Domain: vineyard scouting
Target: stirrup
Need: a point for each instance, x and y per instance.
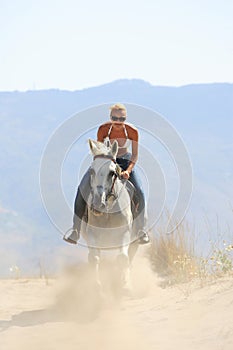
(73, 237)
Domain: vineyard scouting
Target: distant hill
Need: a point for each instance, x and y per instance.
(202, 114)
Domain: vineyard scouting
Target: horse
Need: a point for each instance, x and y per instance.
(109, 216)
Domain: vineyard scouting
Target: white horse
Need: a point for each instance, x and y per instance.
(110, 220)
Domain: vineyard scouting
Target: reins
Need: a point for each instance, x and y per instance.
(111, 193)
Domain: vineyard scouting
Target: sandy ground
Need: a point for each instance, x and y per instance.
(69, 313)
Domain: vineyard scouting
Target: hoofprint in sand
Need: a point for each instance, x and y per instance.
(67, 314)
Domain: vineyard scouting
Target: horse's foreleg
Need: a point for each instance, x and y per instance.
(133, 247)
(124, 268)
(94, 261)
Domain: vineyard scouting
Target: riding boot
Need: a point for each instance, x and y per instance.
(139, 221)
(139, 224)
(73, 237)
(143, 237)
(75, 233)
(141, 234)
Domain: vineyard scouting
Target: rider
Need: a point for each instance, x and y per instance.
(126, 135)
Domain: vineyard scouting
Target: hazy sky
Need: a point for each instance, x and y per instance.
(73, 44)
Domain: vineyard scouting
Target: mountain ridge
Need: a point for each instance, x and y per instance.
(139, 82)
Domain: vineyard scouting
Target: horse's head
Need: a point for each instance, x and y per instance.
(103, 174)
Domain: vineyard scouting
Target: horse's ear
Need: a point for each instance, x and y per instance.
(92, 145)
(114, 148)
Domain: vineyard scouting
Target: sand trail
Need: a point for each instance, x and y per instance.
(69, 314)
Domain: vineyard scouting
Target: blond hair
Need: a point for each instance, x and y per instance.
(117, 106)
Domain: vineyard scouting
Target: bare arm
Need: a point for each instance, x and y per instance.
(134, 157)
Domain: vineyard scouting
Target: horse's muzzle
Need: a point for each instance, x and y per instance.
(96, 212)
(98, 205)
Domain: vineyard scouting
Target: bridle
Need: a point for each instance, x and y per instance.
(107, 156)
(117, 174)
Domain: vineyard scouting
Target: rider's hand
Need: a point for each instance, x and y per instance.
(125, 174)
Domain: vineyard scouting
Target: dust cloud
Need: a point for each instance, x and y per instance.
(73, 312)
(78, 313)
